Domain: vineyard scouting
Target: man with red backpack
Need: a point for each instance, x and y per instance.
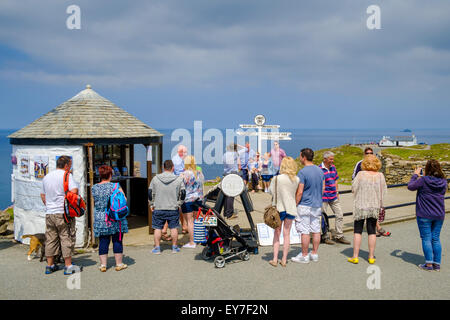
(60, 230)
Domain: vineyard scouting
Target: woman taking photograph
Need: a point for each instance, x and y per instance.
(193, 182)
(283, 188)
(369, 189)
(107, 230)
(430, 211)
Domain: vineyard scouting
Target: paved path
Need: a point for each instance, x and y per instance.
(186, 276)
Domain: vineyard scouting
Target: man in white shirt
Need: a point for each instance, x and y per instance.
(178, 160)
(58, 233)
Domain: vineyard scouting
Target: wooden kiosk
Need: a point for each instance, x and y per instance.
(94, 131)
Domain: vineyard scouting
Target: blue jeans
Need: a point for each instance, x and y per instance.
(430, 231)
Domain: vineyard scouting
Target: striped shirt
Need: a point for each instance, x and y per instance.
(331, 177)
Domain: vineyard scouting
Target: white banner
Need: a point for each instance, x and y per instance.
(265, 235)
(28, 195)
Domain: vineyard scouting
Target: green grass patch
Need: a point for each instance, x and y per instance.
(419, 146)
(211, 183)
(11, 213)
(439, 152)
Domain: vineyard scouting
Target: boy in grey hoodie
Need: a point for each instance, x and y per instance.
(166, 194)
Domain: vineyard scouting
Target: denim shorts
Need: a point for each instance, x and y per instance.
(160, 217)
(266, 177)
(190, 206)
(284, 215)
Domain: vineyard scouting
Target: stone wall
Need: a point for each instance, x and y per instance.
(399, 171)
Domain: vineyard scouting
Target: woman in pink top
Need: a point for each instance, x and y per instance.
(277, 155)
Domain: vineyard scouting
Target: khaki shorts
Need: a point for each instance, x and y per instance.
(59, 233)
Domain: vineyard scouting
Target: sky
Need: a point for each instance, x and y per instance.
(302, 64)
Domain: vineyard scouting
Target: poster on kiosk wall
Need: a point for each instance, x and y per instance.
(24, 166)
(40, 166)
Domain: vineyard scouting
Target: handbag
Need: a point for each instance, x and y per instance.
(271, 214)
(382, 209)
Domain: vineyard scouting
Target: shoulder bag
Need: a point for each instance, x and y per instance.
(271, 214)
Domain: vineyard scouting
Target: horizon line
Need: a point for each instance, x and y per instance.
(284, 128)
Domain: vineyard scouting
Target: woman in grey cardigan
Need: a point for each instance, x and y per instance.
(286, 187)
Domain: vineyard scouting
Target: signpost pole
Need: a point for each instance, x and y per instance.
(259, 139)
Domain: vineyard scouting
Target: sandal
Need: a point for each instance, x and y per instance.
(102, 268)
(273, 263)
(382, 232)
(166, 237)
(121, 267)
(283, 264)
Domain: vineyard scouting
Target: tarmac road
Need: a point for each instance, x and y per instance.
(186, 276)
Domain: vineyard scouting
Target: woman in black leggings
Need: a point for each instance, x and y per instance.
(369, 189)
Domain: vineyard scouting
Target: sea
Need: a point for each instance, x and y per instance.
(315, 139)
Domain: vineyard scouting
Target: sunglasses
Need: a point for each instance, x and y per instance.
(369, 153)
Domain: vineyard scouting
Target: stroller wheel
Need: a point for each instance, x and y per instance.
(206, 254)
(245, 256)
(219, 262)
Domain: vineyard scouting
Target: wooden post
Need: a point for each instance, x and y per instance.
(149, 179)
(91, 184)
(160, 157)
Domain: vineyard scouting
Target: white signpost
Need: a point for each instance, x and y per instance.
(260, 121)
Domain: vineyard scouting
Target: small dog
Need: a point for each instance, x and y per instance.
(38, 241)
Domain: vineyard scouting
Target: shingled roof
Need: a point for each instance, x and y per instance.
(86, 117)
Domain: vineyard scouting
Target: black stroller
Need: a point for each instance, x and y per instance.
(220, 245)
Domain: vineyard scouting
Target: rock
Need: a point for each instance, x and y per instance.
(4, 221)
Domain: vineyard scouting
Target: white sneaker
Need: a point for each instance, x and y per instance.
(314, 257)
(300, 258)
(189, 246)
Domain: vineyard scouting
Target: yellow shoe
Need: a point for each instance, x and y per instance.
(353, 260)
(372, 260)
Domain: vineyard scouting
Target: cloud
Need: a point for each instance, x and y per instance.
(318, 46)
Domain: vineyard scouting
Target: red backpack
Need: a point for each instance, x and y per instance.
(74, 205)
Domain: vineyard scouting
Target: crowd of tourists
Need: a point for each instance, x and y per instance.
(302, 200)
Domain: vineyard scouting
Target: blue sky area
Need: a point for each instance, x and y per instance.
(303, 64)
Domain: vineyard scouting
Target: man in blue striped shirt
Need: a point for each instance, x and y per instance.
(331, 197)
